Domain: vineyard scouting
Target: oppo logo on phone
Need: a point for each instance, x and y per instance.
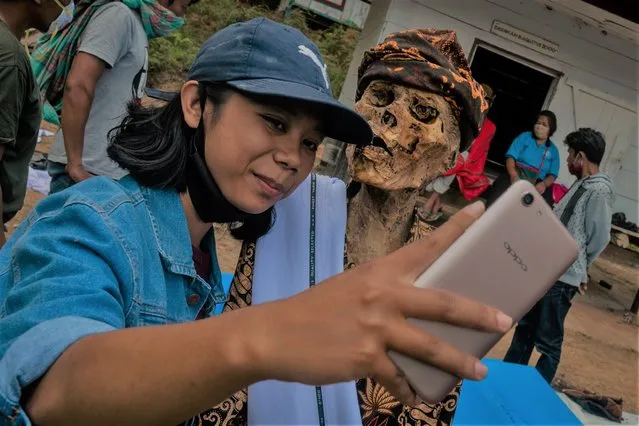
(518, 260)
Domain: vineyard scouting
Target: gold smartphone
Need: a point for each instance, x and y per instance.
(509, 258)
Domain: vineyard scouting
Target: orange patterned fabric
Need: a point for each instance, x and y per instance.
(433, 61)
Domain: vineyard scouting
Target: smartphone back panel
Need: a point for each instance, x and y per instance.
(509, 258)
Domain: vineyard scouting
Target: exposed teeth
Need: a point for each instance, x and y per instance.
(411, 148)
(386, 150)
(380, 143)
(377, 150)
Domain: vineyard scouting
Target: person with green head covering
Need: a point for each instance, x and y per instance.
(89, 70)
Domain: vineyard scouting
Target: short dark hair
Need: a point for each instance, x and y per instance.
(153, 144)
(552, 120)
(589, 141)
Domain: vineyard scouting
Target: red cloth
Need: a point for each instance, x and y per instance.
(202, 261)
(558, 191)
(470, 171)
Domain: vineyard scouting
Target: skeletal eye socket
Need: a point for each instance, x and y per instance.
(382, 96)
(424, 113)
(389, 119)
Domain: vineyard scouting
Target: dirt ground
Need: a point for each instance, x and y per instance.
(599, 353)
(600, 350)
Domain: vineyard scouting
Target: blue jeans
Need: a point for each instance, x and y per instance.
(60, 179)
(543, 328)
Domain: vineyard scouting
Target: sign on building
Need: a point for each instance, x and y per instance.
(524, 38)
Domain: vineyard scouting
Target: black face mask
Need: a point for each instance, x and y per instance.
(207, 198)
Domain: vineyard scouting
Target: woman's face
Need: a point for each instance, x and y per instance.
(542, 127)
(259, 154)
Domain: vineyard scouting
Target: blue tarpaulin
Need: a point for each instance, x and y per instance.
(511, 395)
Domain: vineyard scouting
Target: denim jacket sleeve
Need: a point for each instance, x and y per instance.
(64, 279)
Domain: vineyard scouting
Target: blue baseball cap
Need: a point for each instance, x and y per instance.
(264, 57)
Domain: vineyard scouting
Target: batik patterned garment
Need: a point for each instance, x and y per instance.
(380, 408)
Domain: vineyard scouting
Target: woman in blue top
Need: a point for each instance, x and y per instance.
(98, 286)
(531, 156)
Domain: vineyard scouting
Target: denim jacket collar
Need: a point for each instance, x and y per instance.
(171, 232)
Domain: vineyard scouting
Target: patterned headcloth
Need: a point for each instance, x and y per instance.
(433, 61)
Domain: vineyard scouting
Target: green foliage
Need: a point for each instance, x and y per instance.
(171, 56)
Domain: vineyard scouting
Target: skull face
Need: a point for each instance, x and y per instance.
(416, 137)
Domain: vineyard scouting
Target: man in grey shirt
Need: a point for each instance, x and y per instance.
(586, 210)
(108, 71)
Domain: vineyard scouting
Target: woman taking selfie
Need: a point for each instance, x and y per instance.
(99, 290)
(532, 156)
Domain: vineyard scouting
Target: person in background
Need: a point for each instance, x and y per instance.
(19, 98)
(90, 70)
(531, 156)
(586, 210)
(469, 168)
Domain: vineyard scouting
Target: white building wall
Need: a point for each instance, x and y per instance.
(354, 11)
(373, 32)
(599, 85)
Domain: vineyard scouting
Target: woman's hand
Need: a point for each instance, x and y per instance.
(511, 169)
(343, 328)
(541, 187)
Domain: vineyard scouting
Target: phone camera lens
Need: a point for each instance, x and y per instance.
(527, 199)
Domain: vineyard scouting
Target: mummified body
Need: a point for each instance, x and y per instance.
(421, 135)
(416, 92)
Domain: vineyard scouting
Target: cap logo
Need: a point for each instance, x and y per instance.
(308, 52)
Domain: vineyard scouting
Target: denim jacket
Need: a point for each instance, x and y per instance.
(100, 256)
